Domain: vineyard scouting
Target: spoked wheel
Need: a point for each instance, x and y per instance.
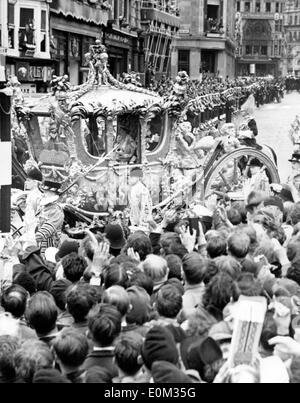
(228, 173)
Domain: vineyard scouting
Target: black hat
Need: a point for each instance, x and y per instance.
(159, 345)
(114, 233)
(255, 162)
(203, 353)
(66, 248)
(165, 372)
(295, 158)
(34, 174)
(286, 195)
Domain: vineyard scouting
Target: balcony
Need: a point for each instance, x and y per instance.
(214, 29)
(161, 11)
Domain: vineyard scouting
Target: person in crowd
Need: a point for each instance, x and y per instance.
(105, 324)
(71, 349)
(59, 292)
(128, 360)
(80, 300)
(157, 269)
(193, 268)
(8, 347)
(73, 266)
(31, 356)
(41, 314)
(139, 310)
(14, 300)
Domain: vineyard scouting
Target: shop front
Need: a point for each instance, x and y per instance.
(34, 75)
(120, 47)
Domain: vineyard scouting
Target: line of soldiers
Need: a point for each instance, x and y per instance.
(292, 84)
(269, 92)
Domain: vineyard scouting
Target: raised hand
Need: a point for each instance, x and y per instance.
(101, 257)
(188, 240)
(286, 344)
(133, 255)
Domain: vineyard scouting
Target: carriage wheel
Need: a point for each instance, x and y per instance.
(240, 160)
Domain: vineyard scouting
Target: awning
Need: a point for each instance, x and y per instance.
(80, 11)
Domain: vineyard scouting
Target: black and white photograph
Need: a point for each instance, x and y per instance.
(150, 194)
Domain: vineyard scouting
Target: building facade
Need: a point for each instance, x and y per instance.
(292, 38)
(261, 46)
(161, 22)
(25, 42)
(75, 25)
(123, 38)
(206, 42)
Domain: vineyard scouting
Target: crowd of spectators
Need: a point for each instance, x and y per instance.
(161, 307)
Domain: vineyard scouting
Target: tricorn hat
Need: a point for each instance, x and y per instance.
(295, 158)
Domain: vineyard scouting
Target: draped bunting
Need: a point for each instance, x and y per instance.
(81, 11)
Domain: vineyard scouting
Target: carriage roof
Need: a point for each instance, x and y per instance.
(106, 99)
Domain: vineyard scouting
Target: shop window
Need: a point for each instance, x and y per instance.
(26, 32)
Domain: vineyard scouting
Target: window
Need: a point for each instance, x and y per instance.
(11, 26)
(26, 32)
(43, 30)
(277, 7)
(268, 7)
(238, 6)
(248, 50)
(264, 50)
(247, 7)
(278, 26)
(257, 7)
(256, 50)
(184, 60)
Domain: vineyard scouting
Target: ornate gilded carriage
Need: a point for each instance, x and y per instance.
(89, 137)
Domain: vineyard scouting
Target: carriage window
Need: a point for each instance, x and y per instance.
(44, 124)
(155, 132)
(93, 131)
(128, 131)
